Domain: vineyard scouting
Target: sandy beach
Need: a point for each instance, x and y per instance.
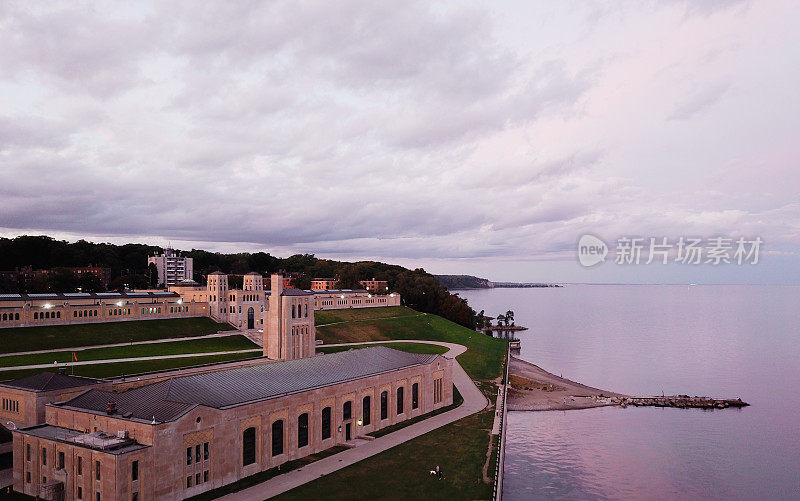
(534, 389)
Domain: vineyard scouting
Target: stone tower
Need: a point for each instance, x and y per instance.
(289, 333)
(218, 296)
(253, 282)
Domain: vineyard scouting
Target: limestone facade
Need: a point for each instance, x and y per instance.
(205, 447)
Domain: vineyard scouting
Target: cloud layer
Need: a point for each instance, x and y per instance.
(431, 133)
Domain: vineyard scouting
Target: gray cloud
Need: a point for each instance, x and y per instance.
(364, 129)
(699, 101)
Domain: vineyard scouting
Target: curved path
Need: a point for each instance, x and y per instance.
(129, 359)
(128, 343)
(474, 401)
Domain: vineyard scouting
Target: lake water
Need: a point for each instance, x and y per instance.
(721, 341)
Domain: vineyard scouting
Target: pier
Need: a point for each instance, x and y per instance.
(680, 402)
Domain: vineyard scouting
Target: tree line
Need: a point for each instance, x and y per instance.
(128, 263)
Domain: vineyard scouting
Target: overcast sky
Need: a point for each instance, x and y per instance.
(480, 138)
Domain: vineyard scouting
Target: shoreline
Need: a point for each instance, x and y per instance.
(532, 388)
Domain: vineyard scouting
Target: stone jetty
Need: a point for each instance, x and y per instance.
(680, 402)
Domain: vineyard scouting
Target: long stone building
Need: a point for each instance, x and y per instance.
(244, 309)
(175, 437)
(185, 435)
(31, 310)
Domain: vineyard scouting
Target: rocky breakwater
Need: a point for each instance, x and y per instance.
(680, 402)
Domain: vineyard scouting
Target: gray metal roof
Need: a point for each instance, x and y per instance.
(170, 399)
(65, 296)
(260, 382)
(143, 403)
(49, 381)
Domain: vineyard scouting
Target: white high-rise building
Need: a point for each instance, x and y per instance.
(172, 269)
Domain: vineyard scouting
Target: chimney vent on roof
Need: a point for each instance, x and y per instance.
(111, 408)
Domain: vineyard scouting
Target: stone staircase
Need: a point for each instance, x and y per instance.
(254, 336)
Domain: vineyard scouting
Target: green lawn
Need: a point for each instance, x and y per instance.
(346, 315)
(409, 347)
(68, 336)
(483, 359)
(117, 369)
(403, 471)
(227, 343)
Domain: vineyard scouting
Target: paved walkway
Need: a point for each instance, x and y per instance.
(129, 359)
(113, 345)
(474, 401)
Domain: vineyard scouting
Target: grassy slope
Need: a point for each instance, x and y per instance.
(409, 347)
(458, 448)
(227, 343)
(113, 370)
(67, 336)
(483, 359)
(322, 317)
(403, 471)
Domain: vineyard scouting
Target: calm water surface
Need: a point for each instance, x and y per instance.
(722, 341)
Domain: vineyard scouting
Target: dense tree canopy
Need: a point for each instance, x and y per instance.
(418, 289)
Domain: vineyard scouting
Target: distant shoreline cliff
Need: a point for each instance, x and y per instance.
(455, 282)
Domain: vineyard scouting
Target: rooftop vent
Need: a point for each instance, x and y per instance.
(111, 408)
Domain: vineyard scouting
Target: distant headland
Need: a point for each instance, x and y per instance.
(454, 282)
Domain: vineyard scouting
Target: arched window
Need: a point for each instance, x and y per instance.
(277, 437)
(58, 314)
(326, 423)
(415, 396)
(74, 313)
(366, 411)
(347, 410)
(5, 317)
(293, 312)
(384, 405)
(35, 316)
(16, 316)
(305, 308)
(400, 400)
(302, 430)
(248, 446)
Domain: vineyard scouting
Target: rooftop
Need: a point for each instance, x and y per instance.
(295, 292)
(97, 441)
(65, 296)
(49, 381)
(168, 400)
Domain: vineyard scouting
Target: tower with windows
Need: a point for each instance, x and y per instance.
(217, 288)
(289, 332)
